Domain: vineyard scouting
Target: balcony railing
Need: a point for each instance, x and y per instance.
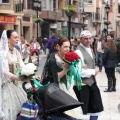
(18, 6)
(53, 15)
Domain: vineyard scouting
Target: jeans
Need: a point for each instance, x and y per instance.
(93, 117)
(99, 60)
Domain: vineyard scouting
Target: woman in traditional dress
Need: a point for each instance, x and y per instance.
(56, 70)
(13, 96)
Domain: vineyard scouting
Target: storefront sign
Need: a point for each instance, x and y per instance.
(7, 19)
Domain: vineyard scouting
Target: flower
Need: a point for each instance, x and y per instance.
(107, 22)
(34, 89)
(73, 60)
(38, 20)
(70, 57)
(69, 8)
(27, 71)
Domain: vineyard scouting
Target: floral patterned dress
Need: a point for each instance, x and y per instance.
(13, 95)
(77, 112)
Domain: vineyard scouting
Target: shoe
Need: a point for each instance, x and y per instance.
(107, 90)
(113, 89)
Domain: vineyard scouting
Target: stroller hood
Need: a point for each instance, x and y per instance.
(56, 99)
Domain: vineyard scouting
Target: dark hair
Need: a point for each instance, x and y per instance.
(1, 29)
(9, 32)
(58, 42)
(111, 35)
(111, 45)
(61, 41)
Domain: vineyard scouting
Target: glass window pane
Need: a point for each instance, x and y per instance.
(5, 1)
(88, 2)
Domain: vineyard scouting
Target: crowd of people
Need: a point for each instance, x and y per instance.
(16, 53)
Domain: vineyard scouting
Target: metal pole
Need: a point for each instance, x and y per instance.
(37, 25)
(69, 27)
(107, 24)
(69, 24)
(83, 17)
(83, 23)
(20, 26)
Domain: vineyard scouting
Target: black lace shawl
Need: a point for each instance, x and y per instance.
(50, 70)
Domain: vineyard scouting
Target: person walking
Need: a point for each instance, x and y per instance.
(35, 45)
(50, 43)
(99, 49)
(90, 93)
(109, 62)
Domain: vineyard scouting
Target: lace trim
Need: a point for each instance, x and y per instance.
(60, 62)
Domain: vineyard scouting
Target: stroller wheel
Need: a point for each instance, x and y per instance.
(119, 107)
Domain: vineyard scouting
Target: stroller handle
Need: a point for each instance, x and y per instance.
(23, 86)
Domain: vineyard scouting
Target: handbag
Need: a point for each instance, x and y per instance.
(29, 111)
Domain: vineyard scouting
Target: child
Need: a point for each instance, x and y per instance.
(25, 53)
(34, 57)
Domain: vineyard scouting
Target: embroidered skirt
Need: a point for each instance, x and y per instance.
(13, 98)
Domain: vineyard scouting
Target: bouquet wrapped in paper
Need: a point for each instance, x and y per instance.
(73, 60)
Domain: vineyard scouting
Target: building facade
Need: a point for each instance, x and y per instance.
(20, 14)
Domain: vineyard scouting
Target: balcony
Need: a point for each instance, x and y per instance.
(15, 8)
(18, 7)
(58, 15)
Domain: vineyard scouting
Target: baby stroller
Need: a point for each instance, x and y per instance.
(35, 57)
(52, 102)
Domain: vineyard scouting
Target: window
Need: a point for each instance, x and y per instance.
(44, 4)
(30, 4)
(88, 2)
(5, 1)
(118, 8)
(54, 5)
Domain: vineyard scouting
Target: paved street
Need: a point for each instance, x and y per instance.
(41, 64)
(110, 100)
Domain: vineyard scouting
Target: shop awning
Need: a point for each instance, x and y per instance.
(7, 19)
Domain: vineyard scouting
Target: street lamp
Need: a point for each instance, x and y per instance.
(37, 7)
(107, 8)
(69, 11)
(83, 16)
(69, 24)
(104, 30)
(95, 25)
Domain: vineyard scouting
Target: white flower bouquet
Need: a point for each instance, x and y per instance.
(27, 71)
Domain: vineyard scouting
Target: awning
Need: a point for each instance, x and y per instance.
(7, 19)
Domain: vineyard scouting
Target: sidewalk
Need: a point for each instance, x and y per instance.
(110, 100)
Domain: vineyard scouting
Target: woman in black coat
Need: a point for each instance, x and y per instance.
(109, 62)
